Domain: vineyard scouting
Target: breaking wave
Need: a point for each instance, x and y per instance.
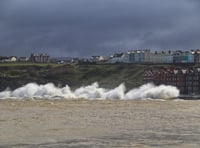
(92, 92)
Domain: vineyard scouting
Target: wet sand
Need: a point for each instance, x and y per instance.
(82, 123)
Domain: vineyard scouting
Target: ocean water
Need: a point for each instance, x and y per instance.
(99, 123)
(90, 116)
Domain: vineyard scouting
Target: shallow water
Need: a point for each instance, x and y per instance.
(84, 123)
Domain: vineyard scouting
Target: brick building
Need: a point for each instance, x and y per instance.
(40, 58)
(186, 80)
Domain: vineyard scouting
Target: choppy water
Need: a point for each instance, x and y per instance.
(106, 123)
(92, 92)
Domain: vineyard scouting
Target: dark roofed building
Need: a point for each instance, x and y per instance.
(40, 58)
(186, 80)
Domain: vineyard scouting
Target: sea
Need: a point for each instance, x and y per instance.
(47, 116)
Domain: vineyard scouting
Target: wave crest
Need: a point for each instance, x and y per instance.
(93, 91)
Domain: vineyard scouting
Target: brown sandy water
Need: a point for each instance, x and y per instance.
(84, 123)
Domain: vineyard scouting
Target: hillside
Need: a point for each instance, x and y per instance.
(109, 76)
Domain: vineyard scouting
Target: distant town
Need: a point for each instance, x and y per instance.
(173, 67)
(131, 56)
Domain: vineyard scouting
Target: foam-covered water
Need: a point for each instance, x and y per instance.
(93, 91)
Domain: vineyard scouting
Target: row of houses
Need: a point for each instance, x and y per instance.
(186, 80)
(40, 58)
(134, 56)
(145, 56)
(157, 57)
(13, 59)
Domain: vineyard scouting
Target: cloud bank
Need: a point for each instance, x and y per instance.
(82, 28)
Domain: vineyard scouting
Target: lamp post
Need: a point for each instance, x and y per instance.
(176, 72)
(198, 70)
(184, 71)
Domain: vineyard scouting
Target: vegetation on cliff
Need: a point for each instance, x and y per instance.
(108, 76)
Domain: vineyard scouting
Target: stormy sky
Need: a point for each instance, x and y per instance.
(91, 27)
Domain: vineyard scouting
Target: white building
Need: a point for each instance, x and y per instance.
(118, 58)
(139, 56)
(161, 57)
(13, 59)
(97, 58)
(9, 59)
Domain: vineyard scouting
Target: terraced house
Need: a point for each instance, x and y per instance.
(40, 58)
(186, 80)
(157, 57)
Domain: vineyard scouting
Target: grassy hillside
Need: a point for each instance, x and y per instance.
(109, 76)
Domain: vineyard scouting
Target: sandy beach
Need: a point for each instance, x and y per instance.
(84, 123)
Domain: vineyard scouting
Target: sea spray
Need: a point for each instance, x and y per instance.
(116, 93)
(5, 94)
(153, 92)
(93, 91)
(90, 92)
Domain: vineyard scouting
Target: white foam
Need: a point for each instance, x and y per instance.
(153, 92)
(93, 91)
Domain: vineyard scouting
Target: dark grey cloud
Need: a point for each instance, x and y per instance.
(88, 27)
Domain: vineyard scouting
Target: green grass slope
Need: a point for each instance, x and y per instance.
(108, 76)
